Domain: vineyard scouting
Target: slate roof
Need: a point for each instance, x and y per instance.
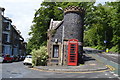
(55, 24)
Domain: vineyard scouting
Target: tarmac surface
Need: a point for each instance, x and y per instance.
(90, 64)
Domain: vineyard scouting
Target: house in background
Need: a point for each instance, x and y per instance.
(60, 32)
(6, 32)
(11, 39)
(17, 42)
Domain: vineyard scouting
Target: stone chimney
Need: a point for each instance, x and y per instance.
(2, 11)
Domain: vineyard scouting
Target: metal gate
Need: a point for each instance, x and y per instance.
(73, 52)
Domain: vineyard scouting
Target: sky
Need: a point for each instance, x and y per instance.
(22, 13)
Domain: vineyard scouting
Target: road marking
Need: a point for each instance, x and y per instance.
(69, 71)
(10, 77)
(110, 67)
(106, 74)
(94, 77)
(113, 57)
(116, 75)
(92, 64)
(111, 72)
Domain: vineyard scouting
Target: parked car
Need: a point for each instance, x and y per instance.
(16, 58)
(28, 60)
(12, 58)
(7, 58)
(1, 59)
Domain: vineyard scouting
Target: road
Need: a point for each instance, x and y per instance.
(18, 70)
(111, 57)
(106, 58)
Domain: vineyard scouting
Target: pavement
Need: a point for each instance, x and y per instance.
(90, 65)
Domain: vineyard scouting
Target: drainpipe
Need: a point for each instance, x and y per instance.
(62, 51)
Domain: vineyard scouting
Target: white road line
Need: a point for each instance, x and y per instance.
(105, 59)
(94, 77)
(10, 77)
(118, 77)
(113, 57)
(111, 72)
(110, 77)
(115, 75)
(106, 74)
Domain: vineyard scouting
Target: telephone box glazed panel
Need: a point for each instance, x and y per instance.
(73, 52)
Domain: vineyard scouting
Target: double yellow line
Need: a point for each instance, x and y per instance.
(110, 67)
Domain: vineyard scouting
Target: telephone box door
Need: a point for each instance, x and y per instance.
(73, 52)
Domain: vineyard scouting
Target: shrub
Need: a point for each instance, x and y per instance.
(39, 57)
(115, 49)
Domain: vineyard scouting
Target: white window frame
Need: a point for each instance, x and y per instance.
(7, 49)
(8, 37)
(54, 54)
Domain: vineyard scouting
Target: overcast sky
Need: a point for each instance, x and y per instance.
(22, 12)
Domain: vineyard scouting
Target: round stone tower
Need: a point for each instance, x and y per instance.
(73, 28)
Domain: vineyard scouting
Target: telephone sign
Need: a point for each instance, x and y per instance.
(73, 52)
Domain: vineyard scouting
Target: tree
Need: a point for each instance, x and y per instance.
(104, 24)
(115, 23)
(42, 17)
(98, 27)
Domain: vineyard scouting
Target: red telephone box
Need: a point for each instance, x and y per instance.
(73, 52)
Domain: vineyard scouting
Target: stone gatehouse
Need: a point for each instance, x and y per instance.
(59, 32)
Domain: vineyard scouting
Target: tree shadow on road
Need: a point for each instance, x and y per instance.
(93, 51)
(87, 58)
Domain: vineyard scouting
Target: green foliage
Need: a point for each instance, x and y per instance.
(39, 57)
(104, 24)
(41, 21)
(115, 49)
(101, 22)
